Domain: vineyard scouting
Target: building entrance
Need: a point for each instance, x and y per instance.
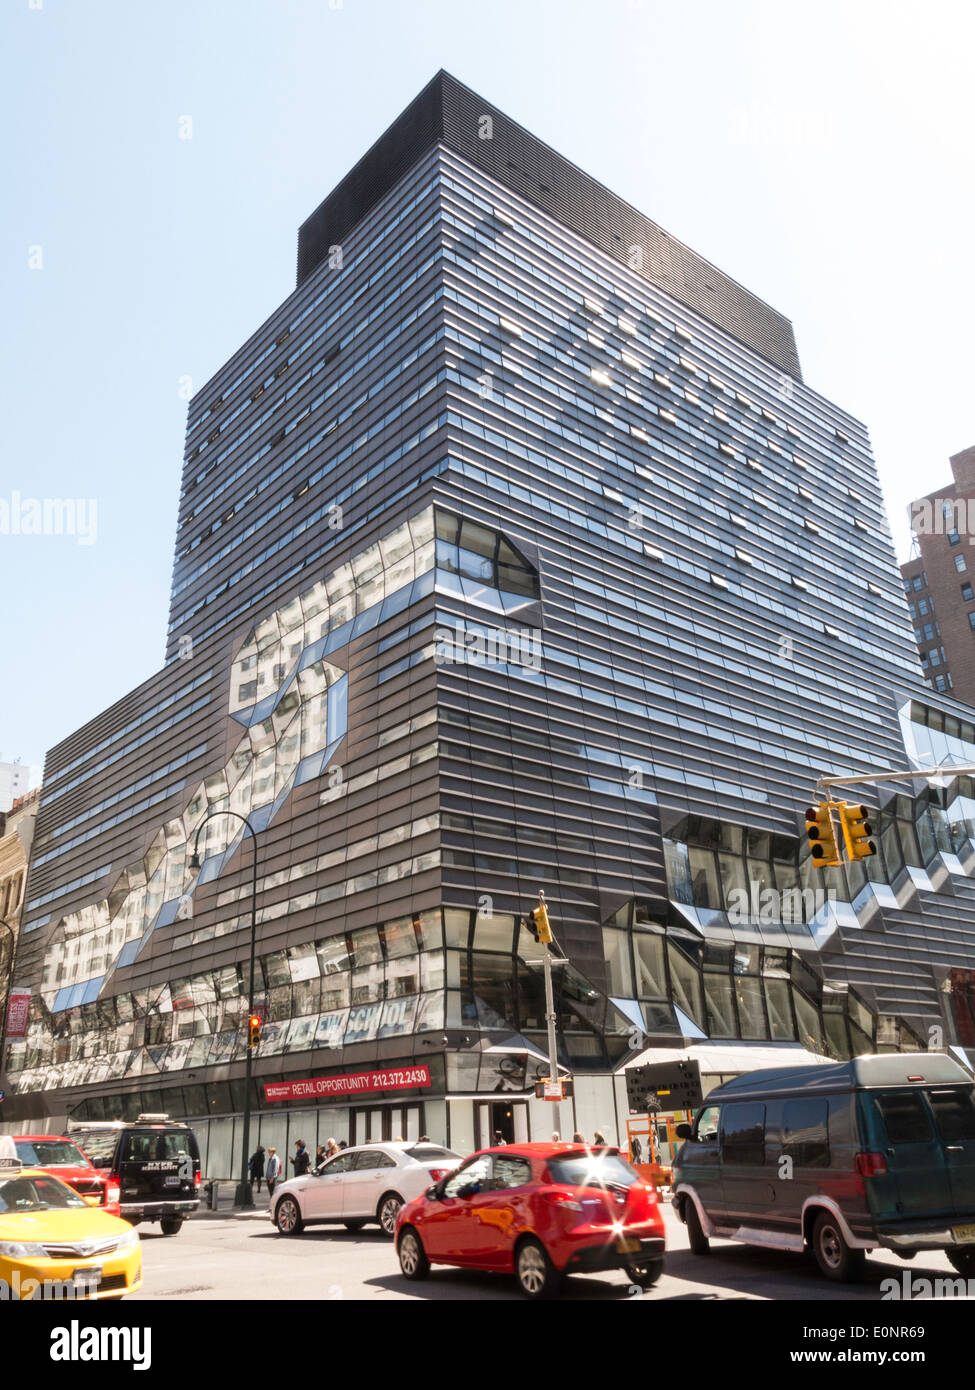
(507, 1118)
(386, 1122)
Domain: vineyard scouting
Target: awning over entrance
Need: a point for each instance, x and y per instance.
(717, 1059)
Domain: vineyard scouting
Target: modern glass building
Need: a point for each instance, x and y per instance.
(513, 553)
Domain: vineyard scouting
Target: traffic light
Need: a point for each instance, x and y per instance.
(821, 835)
(254, 1030)
(856, 831)
(538, 924)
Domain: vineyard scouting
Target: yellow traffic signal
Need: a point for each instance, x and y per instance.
(254, 1030)
(821, 835)
(857, 831)
(538, 924)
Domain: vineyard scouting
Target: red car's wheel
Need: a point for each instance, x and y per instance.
(537, 1276)
(412, 1256)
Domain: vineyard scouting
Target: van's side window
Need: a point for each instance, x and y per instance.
(707, 1125)
(905, 1118)
(954, 1113)
(743, 1133)
(805, 1132)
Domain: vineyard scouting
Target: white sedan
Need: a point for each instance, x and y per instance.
(367, 1183)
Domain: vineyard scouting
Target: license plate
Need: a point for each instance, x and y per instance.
(963, 1234)
(85, 1279)
(172, 1182)
(627, 1245)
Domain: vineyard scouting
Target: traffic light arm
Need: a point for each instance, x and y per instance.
(909, 775)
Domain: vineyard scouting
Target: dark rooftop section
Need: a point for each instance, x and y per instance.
(449, 113)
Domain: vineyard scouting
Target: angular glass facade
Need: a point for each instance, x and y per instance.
(503, 563)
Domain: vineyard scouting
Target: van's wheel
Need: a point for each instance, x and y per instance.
(698, 1241)
(387, 1212)
(412, 1256)
(171, 1225)
(835, 1258)
(963, 1261)
(537, 1276)
(287, 1217)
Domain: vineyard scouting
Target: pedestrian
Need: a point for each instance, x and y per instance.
(255, 1167)
(636, 1150)
(578, 1138)
(301, 1159)
(321, 1155)
(599, 1140)
(273, 1169)
(343, 1143)
(399, 1139)
(331, 1149)
(555, 1137)
(498, 1138)
(424, 1139)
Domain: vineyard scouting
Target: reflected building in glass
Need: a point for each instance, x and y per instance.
(513, 553)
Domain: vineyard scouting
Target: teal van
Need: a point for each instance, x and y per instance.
(839, 1158)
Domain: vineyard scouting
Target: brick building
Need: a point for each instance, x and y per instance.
(940, 581)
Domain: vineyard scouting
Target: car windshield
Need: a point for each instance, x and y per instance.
(51, 1153)
(592, 1170)
(36, 1194)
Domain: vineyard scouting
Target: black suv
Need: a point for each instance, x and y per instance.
(154, 1160)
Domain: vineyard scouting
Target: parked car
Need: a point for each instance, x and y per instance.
(61, 1156)
(368, 1183)
(154, 1161)
(539, 1211)
(841, 1158)
(49, 1233)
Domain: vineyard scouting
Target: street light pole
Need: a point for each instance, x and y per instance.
(244, 1197)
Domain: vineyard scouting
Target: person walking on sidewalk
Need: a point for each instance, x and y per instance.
(273, 1170)
(255, 1166)
(302, 1159)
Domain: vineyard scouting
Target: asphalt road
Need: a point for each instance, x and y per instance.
(245, 1258)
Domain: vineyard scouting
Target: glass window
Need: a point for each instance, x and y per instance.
(961, 565)
(341, 1164)
(598, 1169)
(476, 1170)
(512, 1172)
(370, 1159)
(51, 1153)
(954, 1113)
(706, 1130)
(704, 878)
(37, 1194)
(616, 950)
(648, 952)
(904, 1115)
(805, 1133)
(743, 1133)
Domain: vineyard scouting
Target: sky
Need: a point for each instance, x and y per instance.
(159, 157)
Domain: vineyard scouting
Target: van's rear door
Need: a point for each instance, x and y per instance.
(917, 1181)
(954, 1116)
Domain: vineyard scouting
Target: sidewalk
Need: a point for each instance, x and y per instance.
(225, 1190)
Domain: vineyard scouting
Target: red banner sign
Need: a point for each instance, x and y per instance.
(351, 1084)
(18, 1013)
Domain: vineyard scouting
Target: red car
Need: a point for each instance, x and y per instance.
(539, 1211)
(63, 1158)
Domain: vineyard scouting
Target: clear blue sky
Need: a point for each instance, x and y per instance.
(820, 153)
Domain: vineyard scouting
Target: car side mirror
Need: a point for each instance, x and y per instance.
(683, 1131)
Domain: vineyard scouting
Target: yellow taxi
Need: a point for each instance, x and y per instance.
(53, 1245)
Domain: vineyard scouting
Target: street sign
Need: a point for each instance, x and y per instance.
(664, 1087)
(553, 1090)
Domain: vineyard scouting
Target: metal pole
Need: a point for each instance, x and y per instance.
(553, 1057)
(9, 981)
(245, 1193)
(909, 775)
